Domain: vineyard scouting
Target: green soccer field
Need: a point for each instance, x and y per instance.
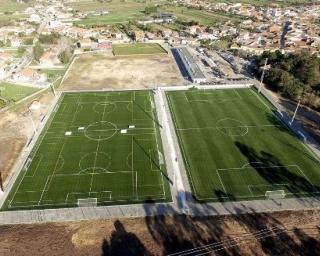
(102, 147)
(235, 148)
(137, 49)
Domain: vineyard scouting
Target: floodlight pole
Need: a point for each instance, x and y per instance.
(295, 113)
(262, 75)
(32, 121)
(52, 87)
(1, 182)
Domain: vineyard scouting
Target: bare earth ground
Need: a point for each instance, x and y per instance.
(100, 71)
(309, 118)
(285, 233)
(16, 129)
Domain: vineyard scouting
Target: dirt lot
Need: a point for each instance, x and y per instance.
(309, 118)
(16, 129)
(99, 71)
(286, 233)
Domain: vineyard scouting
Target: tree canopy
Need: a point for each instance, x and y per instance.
(295, 75)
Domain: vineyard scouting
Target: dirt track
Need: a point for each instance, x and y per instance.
(99, 71)
(284, 233)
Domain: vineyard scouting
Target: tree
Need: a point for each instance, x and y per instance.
(37, 51)
(49, 39)
(64, 56)
(21, 50)
(8, 43)
(150, 9)
(28, 41)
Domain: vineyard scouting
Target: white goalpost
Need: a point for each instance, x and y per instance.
(87, 202)
(275, 194)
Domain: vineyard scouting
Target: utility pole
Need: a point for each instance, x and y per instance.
(262, 76)
(32, 121)
(295, 112)
(53, 90)
(1, 183)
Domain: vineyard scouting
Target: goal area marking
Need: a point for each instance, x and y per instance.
(275, 194)
(87, 202)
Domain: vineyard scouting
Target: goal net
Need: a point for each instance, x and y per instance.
(275, 194)
(87, 202)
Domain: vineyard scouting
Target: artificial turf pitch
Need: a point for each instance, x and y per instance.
(96, 160)
(235, 147)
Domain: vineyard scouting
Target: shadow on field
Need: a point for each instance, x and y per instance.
(148, 155)
(147, 114)
(123, 243)
(274, 172)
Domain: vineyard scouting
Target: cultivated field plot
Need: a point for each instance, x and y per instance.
(102, 148)
(235, 148)
(138, 48)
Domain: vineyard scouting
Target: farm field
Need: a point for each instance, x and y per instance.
(97, 148)
(13, 92)
(235, 148)
(12, 6)
(201, 16)
(138, 48)
(119, 11)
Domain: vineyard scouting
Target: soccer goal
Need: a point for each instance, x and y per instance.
(87, 202)
(275, 194)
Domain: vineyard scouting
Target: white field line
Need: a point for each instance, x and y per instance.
(55, 168)
(224, 188)
(157, 143)
(134, 182)
(227, 127)
(67, 72)
(188, 166)
(254, 93)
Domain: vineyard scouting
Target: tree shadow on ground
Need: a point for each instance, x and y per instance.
(178, 232)
(123, 243)
(262, 234)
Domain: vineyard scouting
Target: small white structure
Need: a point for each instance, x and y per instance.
(132, 126)
(68, 133)
(80, 128)
(35, 105)
(124, 131)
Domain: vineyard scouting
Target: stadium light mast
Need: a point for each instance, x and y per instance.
(53, 90)
(262, 75)
(33, 107)
(295, 112)
(1, 183)
(32, 121)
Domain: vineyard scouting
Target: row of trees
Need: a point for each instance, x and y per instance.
(295, 75)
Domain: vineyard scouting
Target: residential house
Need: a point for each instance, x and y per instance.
(138, 35)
